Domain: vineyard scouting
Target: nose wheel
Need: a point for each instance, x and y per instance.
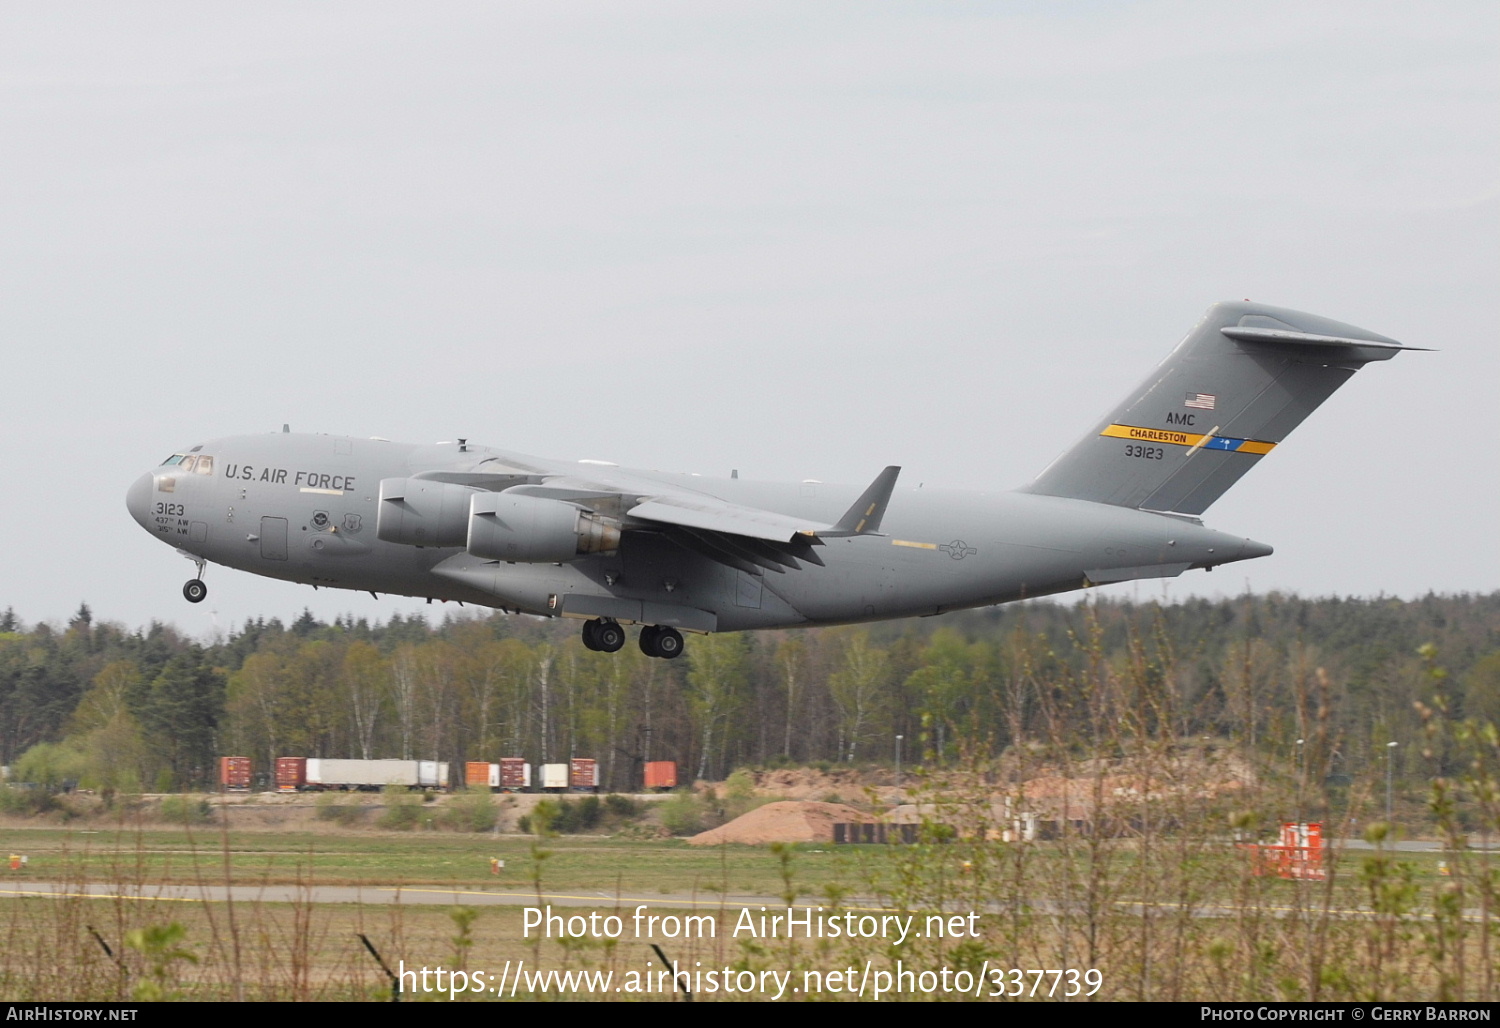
(195, 590)
(661, 641)
(603, 636)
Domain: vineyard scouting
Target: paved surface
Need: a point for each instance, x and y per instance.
(438, 895)
(434, 895)
(420, 894)
(1412, 846)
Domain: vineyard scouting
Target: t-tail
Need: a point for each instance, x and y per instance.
(1232, 391)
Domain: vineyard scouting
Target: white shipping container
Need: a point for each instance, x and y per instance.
(554, 776)
(375, 774)
(494, 776)
(432, 774)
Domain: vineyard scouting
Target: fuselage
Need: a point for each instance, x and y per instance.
(304, 508)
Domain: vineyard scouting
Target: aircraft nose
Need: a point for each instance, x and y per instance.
(138, 500)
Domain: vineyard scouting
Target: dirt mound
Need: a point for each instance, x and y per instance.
(787, 821)
(805, 783)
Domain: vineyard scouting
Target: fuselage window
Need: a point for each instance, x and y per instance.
(205, 465)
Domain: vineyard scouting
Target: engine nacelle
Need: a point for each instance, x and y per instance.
(419, 512)
(531, 530)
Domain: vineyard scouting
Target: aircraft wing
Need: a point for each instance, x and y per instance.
(710, 514)
(756, 540)
(749, 538)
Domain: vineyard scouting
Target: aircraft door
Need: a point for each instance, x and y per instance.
(273, 538)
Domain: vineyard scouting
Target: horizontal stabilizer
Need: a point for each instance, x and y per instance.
(1248, 334)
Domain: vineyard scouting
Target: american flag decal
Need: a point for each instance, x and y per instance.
(1203, 401)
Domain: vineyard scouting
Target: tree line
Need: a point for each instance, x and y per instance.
(152, 710)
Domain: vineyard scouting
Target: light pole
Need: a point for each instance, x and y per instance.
(1301, 782)
(898, 761)
(1390, 760)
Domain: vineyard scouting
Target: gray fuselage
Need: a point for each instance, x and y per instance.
(304, 508)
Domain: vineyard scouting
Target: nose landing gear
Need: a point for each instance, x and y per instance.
(195, 590)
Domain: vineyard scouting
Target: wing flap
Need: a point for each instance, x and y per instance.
(710, 515)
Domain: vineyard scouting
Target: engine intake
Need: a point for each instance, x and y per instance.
(418, 512)
(531, 530)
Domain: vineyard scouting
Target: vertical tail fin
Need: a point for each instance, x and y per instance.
(1244, 377)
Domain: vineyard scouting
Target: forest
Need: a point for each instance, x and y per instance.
(110, 708)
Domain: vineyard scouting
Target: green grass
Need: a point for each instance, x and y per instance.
(589, 866)
(656, 867)
(1238, 936)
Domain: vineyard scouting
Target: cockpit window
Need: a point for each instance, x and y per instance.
(187, 463)
(176, 458)
(205, 465)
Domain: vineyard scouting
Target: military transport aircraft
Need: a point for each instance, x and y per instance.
(672, 553)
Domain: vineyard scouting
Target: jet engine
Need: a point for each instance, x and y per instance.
(528, 529)
(421, 512)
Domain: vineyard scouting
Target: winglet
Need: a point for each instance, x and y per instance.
(864, 517)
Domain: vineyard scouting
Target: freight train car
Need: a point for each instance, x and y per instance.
(318, 773)
(234, 774)
(661, 775)
(583, 774)
(291, 774)
(481, 774)
(554, 777)
(515, 775)
(512, 774)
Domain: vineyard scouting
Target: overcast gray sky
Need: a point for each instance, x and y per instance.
(801, 240)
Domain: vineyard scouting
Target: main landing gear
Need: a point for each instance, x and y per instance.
(661, 641)
(195, 590)
(656, 640)
(604, 636)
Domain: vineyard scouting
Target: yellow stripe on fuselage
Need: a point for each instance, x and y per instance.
(1172, 437)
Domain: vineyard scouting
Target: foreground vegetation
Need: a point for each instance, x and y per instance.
(1162, 917)
(1153, 743)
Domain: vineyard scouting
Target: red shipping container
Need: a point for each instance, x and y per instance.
(661, 774)
(291, 774)
(234, 773)
(477, 774)
(583, 773)
(515, 774)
